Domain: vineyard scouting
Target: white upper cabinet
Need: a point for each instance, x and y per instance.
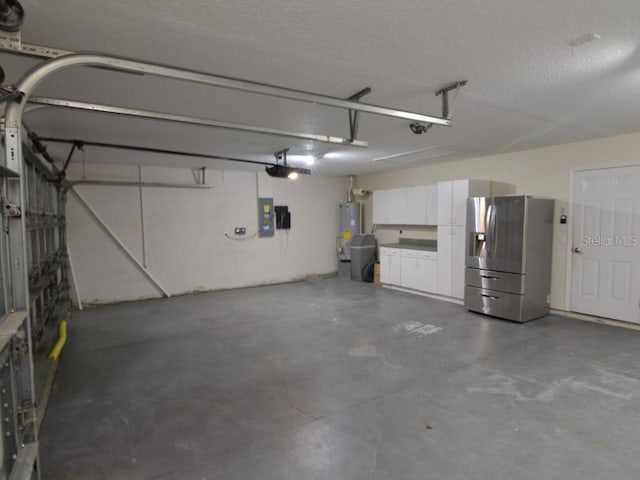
(459, 202)
(452, 199)
(445, 203)
(432, 205)
(381, 206)
(417, 205)
(390, 206)
(406, 206)
(422, 205)
(398, 206)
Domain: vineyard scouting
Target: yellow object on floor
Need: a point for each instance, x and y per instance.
(62, 338)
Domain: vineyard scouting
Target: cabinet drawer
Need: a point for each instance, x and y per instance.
(409, 253)
(389, 251)
(500, 281)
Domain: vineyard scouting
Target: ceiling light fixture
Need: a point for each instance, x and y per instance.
(283, 170)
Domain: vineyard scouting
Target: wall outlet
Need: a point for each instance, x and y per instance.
(240, 231)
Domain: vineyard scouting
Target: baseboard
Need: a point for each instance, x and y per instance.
(601, 320)
(564, 313)
(457, 301)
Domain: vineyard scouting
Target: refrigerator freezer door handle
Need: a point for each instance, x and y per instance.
(489, 296)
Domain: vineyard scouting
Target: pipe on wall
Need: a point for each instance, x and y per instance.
(62, 339)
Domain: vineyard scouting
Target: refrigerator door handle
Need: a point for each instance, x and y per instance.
(495, 232)
(490, 225)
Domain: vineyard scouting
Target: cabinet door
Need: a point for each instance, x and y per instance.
(385, 267)
(409, 272)
(395, 277)
(428, 275)
(445, 195)
(431, 217)
(481, 188)
(444, 260)
(458, 258)
(397, 205)
(417, 205)
(459, 202)
(380, 207)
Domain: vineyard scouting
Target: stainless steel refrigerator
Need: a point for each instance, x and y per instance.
(508, 256)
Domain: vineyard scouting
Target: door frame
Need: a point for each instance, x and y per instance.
(570, 211)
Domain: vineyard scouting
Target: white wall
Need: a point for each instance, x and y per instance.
(544, 172)
(185, 246)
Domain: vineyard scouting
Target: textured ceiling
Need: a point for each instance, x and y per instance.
(527, 86)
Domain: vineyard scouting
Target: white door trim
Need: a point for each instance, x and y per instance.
(572, 173)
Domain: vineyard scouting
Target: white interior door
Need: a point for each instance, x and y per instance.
(606, 255)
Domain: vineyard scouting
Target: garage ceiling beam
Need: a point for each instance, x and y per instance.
(170, 117)
(29, 50)
(161, 151)
(123, 183)
(41, 71)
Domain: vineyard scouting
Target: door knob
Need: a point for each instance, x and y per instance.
(577, 250)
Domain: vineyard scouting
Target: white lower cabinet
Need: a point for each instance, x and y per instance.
(458, 261)
(444, 260)
(451, 260)
(411, 269)
(390, 266)
(428, 274)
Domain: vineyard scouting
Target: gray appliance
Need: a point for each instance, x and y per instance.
(349, 226)
(508, 256)
(363, 252)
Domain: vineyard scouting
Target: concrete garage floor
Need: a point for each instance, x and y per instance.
(339, 380)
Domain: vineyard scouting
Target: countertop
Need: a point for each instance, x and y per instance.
(414, 244)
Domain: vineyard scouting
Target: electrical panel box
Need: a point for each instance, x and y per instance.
(283, 217)
(266, 217)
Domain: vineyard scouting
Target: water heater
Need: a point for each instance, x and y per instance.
(349, 226)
